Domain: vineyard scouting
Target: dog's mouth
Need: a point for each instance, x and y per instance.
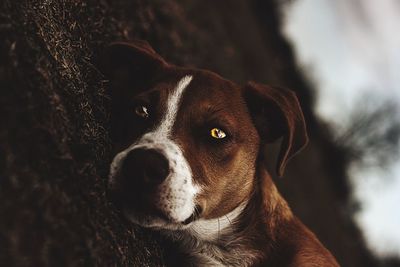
(157, 219)
(145, 213)
(195, 215)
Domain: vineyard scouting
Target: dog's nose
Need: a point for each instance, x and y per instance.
(145, 166)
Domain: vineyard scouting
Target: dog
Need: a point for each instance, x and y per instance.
(190, 161)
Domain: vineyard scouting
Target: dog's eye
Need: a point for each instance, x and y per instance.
(217, 133)
(142, 111)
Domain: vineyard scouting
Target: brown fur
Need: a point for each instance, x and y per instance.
(232, 171)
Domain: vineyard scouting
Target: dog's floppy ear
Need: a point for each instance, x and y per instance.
(130, 65)
(276, 113)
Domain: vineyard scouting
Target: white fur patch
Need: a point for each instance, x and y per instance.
(174, 99)
(211, 230)
(216, 242)
(177, 193)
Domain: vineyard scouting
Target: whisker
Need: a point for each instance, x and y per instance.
(226, 216)
(218, 229)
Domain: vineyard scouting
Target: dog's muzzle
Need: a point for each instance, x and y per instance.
(152, 184)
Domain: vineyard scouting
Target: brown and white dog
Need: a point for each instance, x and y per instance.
(190, 161)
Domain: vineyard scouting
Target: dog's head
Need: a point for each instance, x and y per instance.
(187, 141)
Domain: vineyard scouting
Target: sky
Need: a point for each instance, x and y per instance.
(349, 49)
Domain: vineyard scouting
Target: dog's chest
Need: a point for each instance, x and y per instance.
(211, 255)
(216, 252)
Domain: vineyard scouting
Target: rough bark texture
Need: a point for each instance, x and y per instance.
(54, 144)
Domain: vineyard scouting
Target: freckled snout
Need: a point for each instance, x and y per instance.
(154, 182)
(144, 168)
(151, 181)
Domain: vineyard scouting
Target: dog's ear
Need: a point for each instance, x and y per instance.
(276, 113)
(130, 66)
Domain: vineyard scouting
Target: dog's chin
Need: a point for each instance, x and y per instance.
(150, 215)
(159, 221)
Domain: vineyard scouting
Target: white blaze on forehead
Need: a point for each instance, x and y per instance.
(177, 193)
(172, 107)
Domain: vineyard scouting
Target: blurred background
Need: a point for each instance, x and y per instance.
(341, 57)
(351, 51)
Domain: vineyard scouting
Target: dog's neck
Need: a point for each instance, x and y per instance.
(240, 238)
